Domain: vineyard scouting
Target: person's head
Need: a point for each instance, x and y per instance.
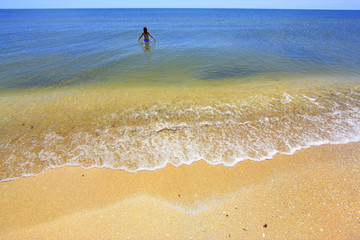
(145, 30)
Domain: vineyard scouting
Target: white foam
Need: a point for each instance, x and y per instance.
(286, 98)
(226, 134)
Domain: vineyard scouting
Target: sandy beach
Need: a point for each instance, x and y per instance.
(241, 124)
(313, 194)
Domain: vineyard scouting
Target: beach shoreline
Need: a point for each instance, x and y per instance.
(313, 193)
(248, 127)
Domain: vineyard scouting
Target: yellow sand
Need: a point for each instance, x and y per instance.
(314, 193)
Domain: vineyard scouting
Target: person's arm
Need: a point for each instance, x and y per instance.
(141, 36)
(152, 37)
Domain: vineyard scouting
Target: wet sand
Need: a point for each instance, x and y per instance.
(314, 194)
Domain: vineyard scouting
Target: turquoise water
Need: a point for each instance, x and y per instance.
(221, 85)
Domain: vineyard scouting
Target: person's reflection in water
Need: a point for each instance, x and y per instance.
(147, 47)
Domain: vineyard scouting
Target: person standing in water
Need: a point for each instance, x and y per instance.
(146, 35)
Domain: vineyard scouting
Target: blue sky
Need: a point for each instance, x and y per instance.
(287, 4)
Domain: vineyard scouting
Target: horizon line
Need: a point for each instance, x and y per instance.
(74, 8)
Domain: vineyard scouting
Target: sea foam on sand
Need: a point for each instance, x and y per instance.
(311, 194)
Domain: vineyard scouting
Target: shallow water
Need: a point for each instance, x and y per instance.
(76, 88)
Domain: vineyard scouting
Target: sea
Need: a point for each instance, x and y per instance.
(77, 88)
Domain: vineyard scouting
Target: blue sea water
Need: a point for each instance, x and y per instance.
(220, 85)
(79, 46)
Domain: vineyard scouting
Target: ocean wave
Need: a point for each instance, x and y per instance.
(223, 132)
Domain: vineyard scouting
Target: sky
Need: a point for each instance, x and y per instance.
(277, 4)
